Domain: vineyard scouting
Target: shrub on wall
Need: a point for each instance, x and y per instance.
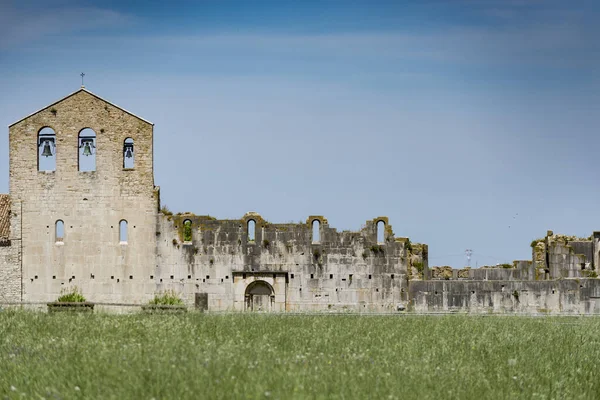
(71, 296)
(168, 298)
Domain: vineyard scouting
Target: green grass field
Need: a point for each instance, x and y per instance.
(57, 356)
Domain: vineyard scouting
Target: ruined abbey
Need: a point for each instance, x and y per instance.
(83, 210)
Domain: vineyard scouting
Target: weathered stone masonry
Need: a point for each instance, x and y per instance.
(222, 264)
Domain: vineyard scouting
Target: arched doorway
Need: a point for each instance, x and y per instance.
(259, 296)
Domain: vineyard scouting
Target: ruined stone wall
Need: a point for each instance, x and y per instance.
(577, 296)
(563, 262)
(342, 271)
(91, 204)
(560, 278)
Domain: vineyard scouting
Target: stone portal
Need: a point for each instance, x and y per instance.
(260, 296)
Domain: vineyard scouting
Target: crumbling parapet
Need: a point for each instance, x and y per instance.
(563, 256)
(417, 259)
(445, 272)
(538, 255)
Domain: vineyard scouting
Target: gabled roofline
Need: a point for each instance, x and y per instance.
(74, 93)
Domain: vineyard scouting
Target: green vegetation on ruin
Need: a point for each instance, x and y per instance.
(72, 295)
(193, 356)
(167, 298)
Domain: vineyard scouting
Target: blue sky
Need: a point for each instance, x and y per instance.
(471, 124)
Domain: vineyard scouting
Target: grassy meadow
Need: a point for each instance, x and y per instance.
(61, 356)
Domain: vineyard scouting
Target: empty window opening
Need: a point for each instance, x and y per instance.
(207, 276)
(128, 153)
(380, 232)
(151, 276)
(59, 231)
(369, 276)
(392, 276)
(53, 276)
(251, 230)
(292, 276)
(123, 231)
(172, 276)
(187, 230)
(330, 276)
(316, 231)
(46, 150)
(87, 150)
(189, 277)
(130, 276)
(312, 276)
(274, 276)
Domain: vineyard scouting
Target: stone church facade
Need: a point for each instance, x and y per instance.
(83, 210)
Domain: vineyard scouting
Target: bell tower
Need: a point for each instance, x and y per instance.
(81, 174)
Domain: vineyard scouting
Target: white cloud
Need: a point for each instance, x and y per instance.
(19, 26)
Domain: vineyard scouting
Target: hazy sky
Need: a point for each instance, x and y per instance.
(471, 124)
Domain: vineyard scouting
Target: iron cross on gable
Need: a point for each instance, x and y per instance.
(82, 75)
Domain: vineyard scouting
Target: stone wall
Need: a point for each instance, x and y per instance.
(342, 271)
(581, 296)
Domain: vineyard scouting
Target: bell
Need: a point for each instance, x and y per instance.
(128, 153)
(86, 149)
(47, 152)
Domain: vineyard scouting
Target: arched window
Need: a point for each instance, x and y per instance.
(316, 231)
(59, 231)
(187, 230)
(87, 150)
(123, 231)
(128, 153)
(46, 150)
(251, 230)
(380, 232)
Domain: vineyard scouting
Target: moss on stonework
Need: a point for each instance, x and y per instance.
(589, 274)
(377, 249)
(444, 272)
(535, 242)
